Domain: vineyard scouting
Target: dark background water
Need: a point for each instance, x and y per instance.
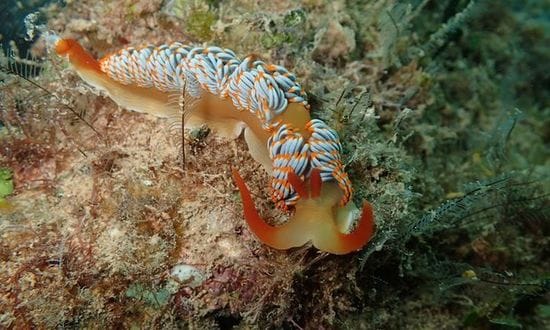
(12, 15)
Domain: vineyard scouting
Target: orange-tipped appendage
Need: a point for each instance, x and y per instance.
(276, 237)
(298, 185)
(316, 183)
(79, 57)
(314, 219)
(360, 236)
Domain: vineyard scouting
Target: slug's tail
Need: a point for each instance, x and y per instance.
(77, 55)
(127, 94)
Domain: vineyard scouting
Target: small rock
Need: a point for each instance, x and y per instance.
(187, 275)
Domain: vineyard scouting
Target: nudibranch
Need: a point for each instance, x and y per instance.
(230, 95)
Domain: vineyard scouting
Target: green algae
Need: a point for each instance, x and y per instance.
(199, 23)
(156, 298)
(6, 183)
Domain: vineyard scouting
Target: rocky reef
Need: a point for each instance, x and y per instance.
(110, 218)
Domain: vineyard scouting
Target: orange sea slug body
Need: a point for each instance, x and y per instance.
(231, 95)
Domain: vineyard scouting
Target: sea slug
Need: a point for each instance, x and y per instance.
(231, 95)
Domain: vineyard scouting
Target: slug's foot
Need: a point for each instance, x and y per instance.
(313, 221)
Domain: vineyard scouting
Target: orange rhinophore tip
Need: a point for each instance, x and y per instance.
(316, 183)
(298, 185)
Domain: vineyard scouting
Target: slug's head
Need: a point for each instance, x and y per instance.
(317, 218)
